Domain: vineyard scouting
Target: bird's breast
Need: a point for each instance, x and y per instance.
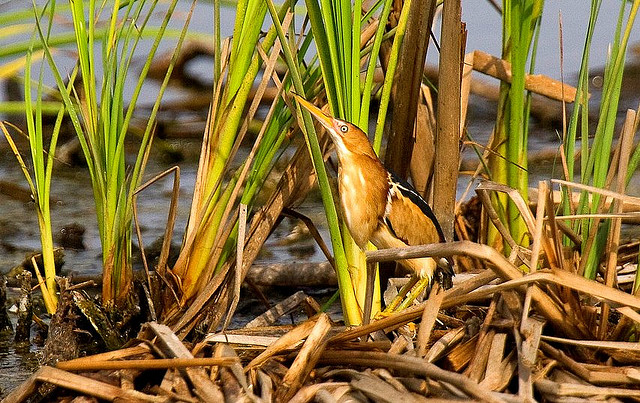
(362, 197)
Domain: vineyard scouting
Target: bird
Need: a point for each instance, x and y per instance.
(378, 206)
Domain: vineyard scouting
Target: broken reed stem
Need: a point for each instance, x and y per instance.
(539, 84)
(447, 139)
(429, 316)
(305, 360)
(147, 364)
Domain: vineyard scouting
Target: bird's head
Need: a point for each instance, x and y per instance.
(347, 137)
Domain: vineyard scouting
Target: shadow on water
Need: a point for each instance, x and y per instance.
(17, 362)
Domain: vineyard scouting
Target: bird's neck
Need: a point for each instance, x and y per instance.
(361, 161)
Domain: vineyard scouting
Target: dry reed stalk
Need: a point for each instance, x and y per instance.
(121, 354)
(581, 370)
(266, 386)
(313, 230)
(557, 390)
(596, 344)
(429, 316)
(492, 214)
(389, 378)
(461, 354)
(288, 341)
(501, 265)
(178, 397)
(399, 345)
(232, 378)
(147, 364)
(465, 89)
(449, 340)
(609, 195)
(409, 365)
(380, 391)
(539, 84)
(539, 233)
(525, 212)
(445, 178)
(173, 347)
(81, 384)
(305, 359)
(630, 314)
(553, 246)
(421, 165)
(308, 393)
(413, 313)
(494, 369)
(161, 268)
(173, 383)
(478, 363)
(237, 275)
(613, 240)
(282, 308)
(629, 204)
(405, 93)
(528, 340)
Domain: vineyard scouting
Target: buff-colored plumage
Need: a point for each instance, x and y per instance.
(377, 206)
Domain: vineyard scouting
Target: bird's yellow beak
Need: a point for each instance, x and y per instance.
(324, 119)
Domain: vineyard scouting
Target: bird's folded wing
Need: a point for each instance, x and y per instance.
(409, 216)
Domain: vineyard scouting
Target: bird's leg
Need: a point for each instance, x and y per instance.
(392, 307)
(419, 288)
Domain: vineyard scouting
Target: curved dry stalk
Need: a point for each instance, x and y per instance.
(408, 364)
(291, 339)
(554, 255)
(501, 266)
(517, 199)
(597, 344)
(626, 199)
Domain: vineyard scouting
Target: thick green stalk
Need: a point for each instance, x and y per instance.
(349, 305)
(580, 109)
(598, 161)
(224, 130)
(388, 78)
(368, 81)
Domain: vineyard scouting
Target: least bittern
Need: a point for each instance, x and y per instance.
(379, 207)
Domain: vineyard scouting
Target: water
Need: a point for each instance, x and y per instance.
(17, 362)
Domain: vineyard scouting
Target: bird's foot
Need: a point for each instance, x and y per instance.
(418, 289)
(411, 290)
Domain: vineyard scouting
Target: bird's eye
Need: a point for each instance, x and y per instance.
(344, 128)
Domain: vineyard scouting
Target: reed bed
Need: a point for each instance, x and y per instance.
(496, 335)
(537, 323)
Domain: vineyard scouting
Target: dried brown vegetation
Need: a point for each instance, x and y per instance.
(497, 335)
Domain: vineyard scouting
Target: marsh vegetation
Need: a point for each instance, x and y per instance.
(544, 304)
